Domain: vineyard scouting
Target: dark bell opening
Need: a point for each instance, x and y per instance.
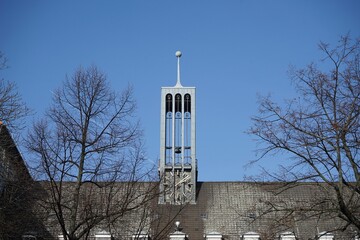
(177, 150)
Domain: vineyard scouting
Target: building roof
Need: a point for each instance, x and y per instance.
(11, 155)
(234, 208)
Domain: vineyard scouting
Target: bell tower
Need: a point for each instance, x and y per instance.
(178, 166)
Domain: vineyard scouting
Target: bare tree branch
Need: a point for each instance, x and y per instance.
(90, 150)
(319, 131)
(12, 108)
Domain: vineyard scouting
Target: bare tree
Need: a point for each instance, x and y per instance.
(90, 151)
(15, 181)
(12, 108)
(319, 132)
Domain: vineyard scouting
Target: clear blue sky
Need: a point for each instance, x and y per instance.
(232, 51)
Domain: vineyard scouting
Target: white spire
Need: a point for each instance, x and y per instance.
(178, 55)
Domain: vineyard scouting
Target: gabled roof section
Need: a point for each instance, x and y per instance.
(10, 155)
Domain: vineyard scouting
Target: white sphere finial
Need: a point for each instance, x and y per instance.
(177, 224)
(178, 54)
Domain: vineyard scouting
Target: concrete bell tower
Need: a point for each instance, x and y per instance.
(178, 166)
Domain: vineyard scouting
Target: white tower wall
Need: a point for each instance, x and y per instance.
(178, 166)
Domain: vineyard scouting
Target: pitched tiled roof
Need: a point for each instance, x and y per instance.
(234, 208)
